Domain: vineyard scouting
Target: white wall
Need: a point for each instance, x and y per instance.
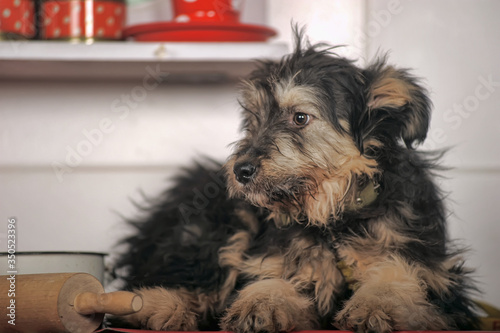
(77, 207)
(452, 44)
(336, 22)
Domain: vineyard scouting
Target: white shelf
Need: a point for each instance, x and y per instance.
(122, 60)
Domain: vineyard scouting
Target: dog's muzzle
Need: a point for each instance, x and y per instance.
(244, 172)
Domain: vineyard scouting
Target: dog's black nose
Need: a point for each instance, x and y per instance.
(244, 171)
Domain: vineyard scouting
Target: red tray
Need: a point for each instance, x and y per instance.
(198, 32)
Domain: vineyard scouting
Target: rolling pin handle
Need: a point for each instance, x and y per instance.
(118, 303)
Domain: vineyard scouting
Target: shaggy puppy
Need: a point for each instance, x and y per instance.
(324, 216)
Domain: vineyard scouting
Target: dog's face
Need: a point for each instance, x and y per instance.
(314, 124)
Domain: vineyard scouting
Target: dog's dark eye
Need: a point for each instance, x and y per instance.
(301, 119)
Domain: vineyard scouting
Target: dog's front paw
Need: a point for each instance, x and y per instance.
(269, 306)
(359, 315)
(380, 310)
(163, 310)
(258, 318)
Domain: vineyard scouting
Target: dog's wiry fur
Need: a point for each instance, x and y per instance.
(257, 247)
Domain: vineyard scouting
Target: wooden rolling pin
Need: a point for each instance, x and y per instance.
(61, 302)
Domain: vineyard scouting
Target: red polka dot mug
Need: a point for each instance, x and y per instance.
(206, 11)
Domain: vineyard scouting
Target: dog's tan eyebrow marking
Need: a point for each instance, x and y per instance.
(289, 110)
(301, 98)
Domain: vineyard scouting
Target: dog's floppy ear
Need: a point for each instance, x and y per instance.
(397, 107)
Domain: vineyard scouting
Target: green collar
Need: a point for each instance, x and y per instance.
(361, 199)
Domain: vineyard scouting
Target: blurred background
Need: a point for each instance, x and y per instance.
(86, 130)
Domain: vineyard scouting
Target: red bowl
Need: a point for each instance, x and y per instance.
(198, 32)
(83, 19)
(17, 18)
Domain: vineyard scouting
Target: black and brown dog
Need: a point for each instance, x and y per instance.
(324, 216)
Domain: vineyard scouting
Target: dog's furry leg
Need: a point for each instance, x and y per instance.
(271, 305)
(391, 296)
(164, 309)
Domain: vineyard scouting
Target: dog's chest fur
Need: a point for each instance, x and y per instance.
(304, 256)
(320, 261)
